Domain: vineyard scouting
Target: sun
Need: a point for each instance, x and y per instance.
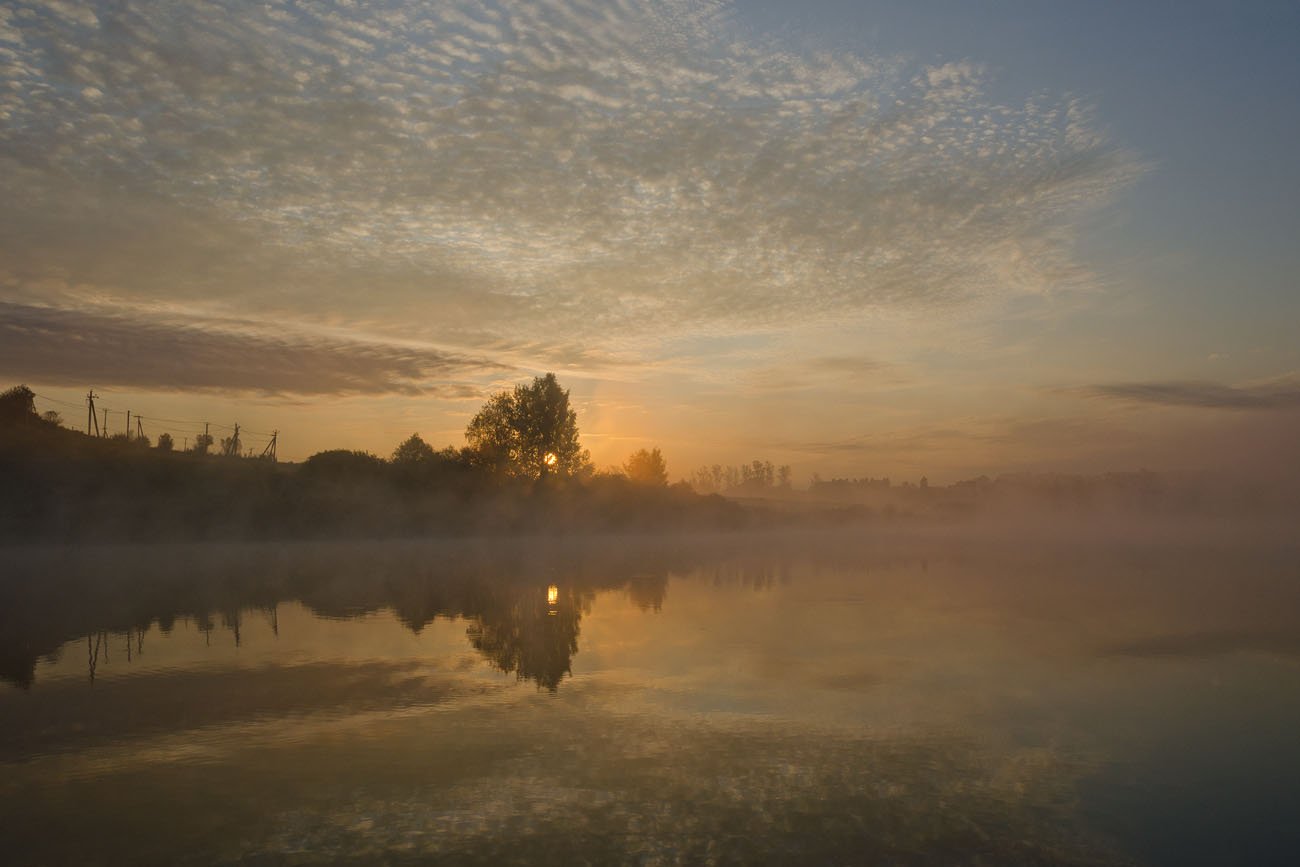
(551, 459)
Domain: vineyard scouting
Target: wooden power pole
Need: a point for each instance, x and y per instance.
(91, 416)
(269, 451)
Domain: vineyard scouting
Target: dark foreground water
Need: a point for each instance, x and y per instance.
(921, 700)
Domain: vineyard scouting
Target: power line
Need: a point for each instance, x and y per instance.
(75, 405)
(158, 419)
(172, 420)
(193, 428)
(179, 425)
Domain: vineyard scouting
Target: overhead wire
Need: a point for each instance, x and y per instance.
(189, 426)
(60, 402)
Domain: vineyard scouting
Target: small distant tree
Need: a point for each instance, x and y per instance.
(343, 465)
(165, 443)
(647, 467)
(413, 451)
(415, 464)
(202, 443)
(757, 474)
(231, 446)
(52, 417)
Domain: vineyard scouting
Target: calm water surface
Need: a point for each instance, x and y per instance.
(805, 700)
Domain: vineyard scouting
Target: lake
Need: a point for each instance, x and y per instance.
(919, 698)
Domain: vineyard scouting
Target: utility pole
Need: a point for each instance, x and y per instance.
(232, 445)
(91, 417)
(128, 424)
(139, 430)
(104, 429)
(269, 451)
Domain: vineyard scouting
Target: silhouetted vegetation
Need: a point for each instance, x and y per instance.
(647, 467)
(524, 470)
(529, 432)
(755, 477)
(17, 405)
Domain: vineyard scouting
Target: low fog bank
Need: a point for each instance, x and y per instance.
(67, 487)
(1105, 495)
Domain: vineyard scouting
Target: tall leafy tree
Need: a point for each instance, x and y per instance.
(529, 432)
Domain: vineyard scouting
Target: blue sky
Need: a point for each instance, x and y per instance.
(860, 238)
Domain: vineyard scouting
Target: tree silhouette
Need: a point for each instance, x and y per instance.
(414, 450)
(17, 404)
(165, 442)
(342, 465)
(202, 443)
(529, 432)
(647, 467)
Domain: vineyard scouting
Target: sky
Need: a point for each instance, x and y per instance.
(860, 238)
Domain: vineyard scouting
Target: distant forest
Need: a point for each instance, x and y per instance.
(522, 470)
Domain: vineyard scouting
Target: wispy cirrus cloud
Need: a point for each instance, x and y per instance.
(520, 168)
(66, 347)
(1278, 393)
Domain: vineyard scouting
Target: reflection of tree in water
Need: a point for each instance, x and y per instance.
(760, 574)
(523, 634)
(96, 601)
(647, 592)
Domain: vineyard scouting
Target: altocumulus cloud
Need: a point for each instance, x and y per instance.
(65, 347)
(521, 167)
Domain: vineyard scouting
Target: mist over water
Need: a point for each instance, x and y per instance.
(924, 697)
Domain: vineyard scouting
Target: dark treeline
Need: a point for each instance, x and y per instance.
(523, 470)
